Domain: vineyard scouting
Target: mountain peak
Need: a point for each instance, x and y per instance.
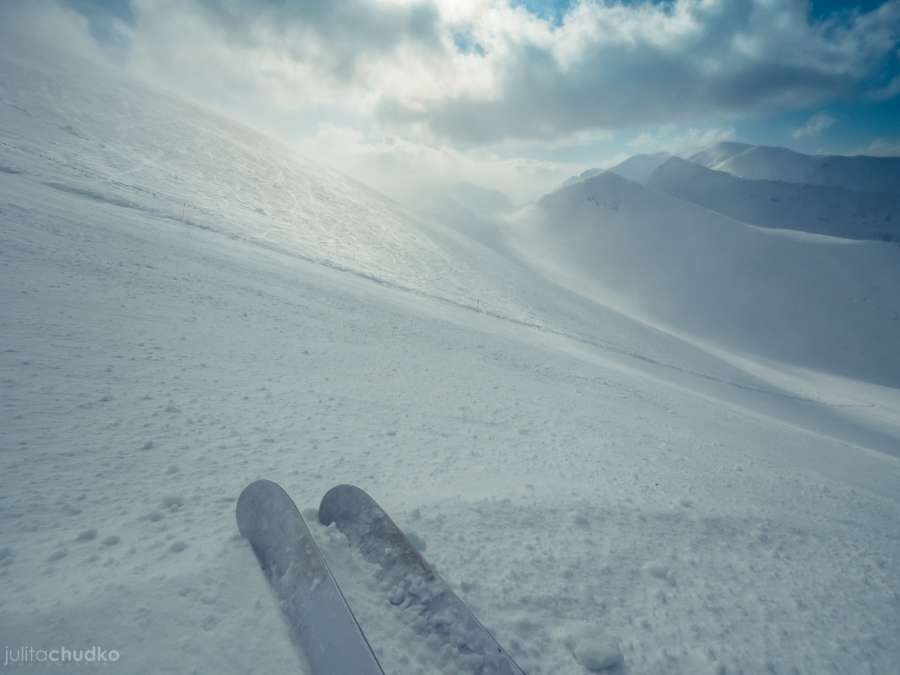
(639, 167)
(719, 152)
(766, 162)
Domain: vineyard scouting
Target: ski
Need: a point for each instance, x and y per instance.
(320, 620)
(428, 604)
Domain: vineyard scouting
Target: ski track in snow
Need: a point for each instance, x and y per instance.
(587, 499)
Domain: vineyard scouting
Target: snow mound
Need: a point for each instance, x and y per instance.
(596, 652)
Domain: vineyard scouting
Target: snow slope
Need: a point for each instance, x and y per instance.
(818, 209)
(824, 303)
(104, 139)
(762, 162)
(591, 484)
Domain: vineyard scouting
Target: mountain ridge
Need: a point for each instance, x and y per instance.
(818, 209)
(863, 173)
(820, 302)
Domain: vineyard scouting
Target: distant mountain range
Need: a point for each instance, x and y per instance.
(762, 162)
(684, 249)
(820, 209)
(848, 197)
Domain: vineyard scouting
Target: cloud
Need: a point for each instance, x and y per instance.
(814, 126)
(480, 72)
(286, 55)
(883, 147)
(888, 91)
(336, 39)
(412, 172)
(678, 140)
(617, 66)
(43, 30)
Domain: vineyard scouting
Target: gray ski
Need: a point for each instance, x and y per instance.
(426, 601)
(321, 622)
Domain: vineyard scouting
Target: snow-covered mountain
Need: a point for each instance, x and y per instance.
(628, 430)
(102, 138)
(827, 304)
(639, 168)
(761, 162)
(717, 153)
(819, 209)
(584, 175)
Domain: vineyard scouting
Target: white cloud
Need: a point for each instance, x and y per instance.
(888, 91)
(883, 147)
(43, 29)
(814, 126)
(678, 140)
(481, 71)
(411, 172)
(612, 65)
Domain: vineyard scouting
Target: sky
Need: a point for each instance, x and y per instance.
(413, 96)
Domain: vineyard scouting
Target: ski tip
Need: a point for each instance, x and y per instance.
(338, 500)
(258, 493)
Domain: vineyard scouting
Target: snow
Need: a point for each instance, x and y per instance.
(626, 246)
(596, 653)
(761, 162)
(608, 474)
(717, 153)
(639, 168)
(817, 209)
